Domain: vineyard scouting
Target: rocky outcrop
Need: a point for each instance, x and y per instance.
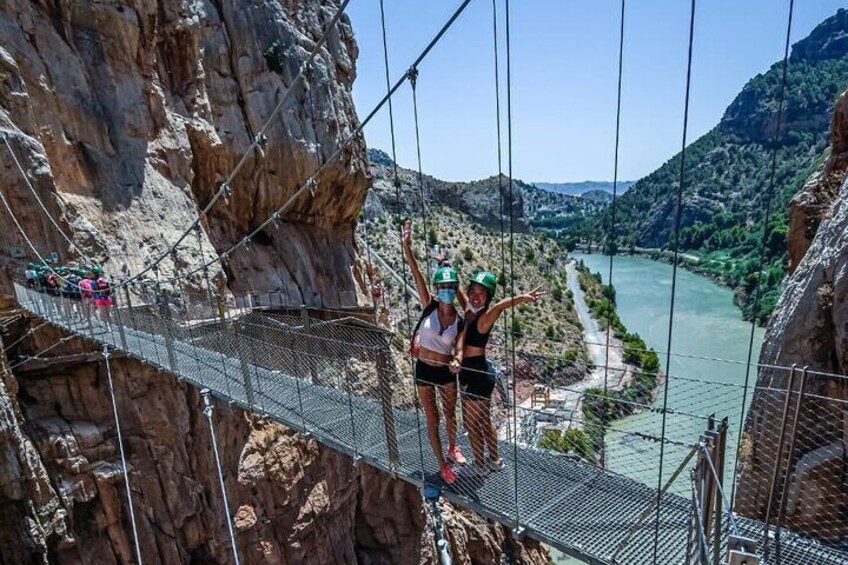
(481, 199)
(809, 328)
(814, 202)
(128, 116)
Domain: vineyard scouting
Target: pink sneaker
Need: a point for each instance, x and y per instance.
(447, 473)
(455, 455)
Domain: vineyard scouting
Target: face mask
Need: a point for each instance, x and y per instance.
(477, 309)
(446, 295)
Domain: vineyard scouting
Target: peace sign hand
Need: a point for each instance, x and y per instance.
(533, 295)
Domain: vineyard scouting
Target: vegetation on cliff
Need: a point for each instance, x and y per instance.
(728, 174)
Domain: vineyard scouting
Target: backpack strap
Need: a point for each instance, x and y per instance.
(429, 309)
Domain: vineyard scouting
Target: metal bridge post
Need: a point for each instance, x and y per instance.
(385, 388)
(307, 329)
(244, 366)
(121, 334)
(777, 457)
(788, 468)
(165, 311)
(720, 445)
(223, 332)
(256, 377)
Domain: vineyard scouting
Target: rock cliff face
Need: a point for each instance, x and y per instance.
(809, 328)
(127, 115)
(479, 199)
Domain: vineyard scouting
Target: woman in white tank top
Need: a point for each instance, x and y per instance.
(438, 345)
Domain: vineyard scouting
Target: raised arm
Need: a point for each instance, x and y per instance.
(420, 282)
(488, 319)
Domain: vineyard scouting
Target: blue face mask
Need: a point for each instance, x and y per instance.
(446, 295)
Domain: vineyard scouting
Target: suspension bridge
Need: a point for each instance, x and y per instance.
(337, 380)
(297, 371)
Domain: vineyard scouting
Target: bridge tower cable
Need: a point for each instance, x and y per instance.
(41, 204)
(207, 411)
(412, 73)
(677, 216)
(122, 452)
(402, 265)
(765, 238)
(611, 241)
(505, 323)
(518, 529)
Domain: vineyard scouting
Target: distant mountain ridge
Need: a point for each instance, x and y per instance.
(581, 188)
(533, 206)
(728, 172)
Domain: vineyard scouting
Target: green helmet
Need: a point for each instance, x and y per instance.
(487, 280)
(445, 275)
(97, 270)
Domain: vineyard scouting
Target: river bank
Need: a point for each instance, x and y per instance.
(700, 266)
(707, 368)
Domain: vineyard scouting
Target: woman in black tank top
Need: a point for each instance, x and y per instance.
(476, 377)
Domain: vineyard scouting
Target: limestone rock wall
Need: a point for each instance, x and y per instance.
(809, 328)
(129, 114)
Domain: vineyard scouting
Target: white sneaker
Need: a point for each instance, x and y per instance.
(474, 471)
(495, 466)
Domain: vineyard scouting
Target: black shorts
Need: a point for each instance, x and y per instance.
(476, 379)
(430, 375)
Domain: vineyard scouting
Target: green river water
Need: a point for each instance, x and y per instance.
(707, 367)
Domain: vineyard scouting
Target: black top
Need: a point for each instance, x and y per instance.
(473, 337)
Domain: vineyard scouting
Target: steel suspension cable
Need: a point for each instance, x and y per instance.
(764, 240)
(310, 183)
(28, 333)
(388, 89)
(612, 239)
(518, 527)
(258, 140)
(31, 245)
(123, 454)
(413, 81)
(402, 259)
(677, 217)
(41, 203)
(495, 49)
(207, 410)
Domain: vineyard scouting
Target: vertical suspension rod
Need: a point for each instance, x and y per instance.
(207, 410)
(123, 454)
(677, 216)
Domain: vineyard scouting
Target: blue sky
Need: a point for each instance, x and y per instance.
(564, 64)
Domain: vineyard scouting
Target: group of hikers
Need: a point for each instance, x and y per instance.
(78, 283)
(450, 346)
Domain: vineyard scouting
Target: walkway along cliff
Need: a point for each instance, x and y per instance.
(127, 116)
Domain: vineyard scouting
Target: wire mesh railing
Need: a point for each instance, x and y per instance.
(576, 466)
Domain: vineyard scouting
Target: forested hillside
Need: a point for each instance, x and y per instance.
(728, 174)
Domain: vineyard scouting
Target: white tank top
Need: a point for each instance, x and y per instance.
(432, 337)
